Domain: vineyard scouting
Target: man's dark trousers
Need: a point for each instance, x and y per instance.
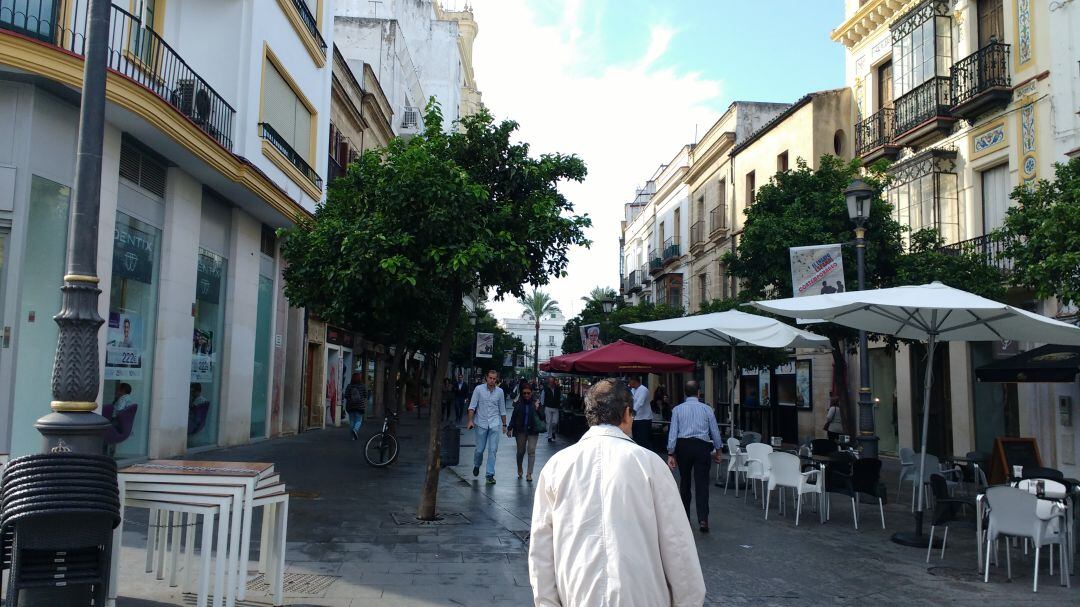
(692, 456)
(642, 431)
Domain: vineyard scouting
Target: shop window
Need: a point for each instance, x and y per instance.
(924, 194)
(204, 405)
(129, 333)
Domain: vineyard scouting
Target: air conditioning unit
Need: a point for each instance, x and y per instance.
(192, 100)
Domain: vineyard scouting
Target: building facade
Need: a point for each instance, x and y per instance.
(967, 99)
(551, 335)
(203, 160)
(417, 50)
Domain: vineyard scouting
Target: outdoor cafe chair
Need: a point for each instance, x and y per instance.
(736, 464)
(1033, 472)
(908, 471)
(946, 510)
(749, 438)
(933, 466)
(757, 466)
(1017, 513)
(785, 473)
(823, 446)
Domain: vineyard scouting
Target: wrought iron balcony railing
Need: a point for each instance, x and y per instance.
(136, 52)
(985, 69)
(875, 131)
(929, 100)
(643, 274)
(697, 234)
(309, 21)
(633, 281)
(333, 169)
(268, 133)
(671, 249)
(655, 264)
(990, 249)
(718, 218)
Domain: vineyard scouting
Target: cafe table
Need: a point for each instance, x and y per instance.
(194, 477)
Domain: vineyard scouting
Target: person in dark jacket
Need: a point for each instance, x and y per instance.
(356, 396)
(461, 394)
(524, 427)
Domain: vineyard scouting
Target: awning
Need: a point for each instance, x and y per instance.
(1048, 364)
(619, 357)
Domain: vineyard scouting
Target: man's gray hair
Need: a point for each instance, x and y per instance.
(607, 402)
(691, 388)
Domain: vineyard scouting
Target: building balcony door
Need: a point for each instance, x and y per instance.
(995, 197)
(885, 86)
(991, 22)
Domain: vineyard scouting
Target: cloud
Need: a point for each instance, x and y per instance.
(623, 115)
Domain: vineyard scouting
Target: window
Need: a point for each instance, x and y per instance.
(838, 142)
(290, 116)
(268, 241)
(150, 14)
(551, 340)
(721, 277)
(995, 196)
(703, 289)
(782, 162)
(922, 45)
(551, 353)
(750, 190)
(924, 194)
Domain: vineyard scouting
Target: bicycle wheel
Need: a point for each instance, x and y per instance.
(381, 450)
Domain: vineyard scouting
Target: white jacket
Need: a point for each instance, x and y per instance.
(609, 529)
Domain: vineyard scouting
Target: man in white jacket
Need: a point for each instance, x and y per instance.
(608, 528)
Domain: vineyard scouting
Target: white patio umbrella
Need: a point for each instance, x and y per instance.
(731, 329)
(932, 312)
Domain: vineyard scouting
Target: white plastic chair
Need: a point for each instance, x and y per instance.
(785, 472)
(757, 466)
(933, 466)
(1017, 513)
(736, 465)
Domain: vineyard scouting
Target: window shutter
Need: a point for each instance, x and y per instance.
(142, 169)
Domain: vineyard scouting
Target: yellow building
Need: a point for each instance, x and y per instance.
(957, 95)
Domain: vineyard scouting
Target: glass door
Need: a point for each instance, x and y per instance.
(260, 386)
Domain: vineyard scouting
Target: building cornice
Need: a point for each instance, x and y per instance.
(705, 161)
(868, 19)
(67, 68)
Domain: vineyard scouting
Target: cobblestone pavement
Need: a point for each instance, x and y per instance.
(342, 529)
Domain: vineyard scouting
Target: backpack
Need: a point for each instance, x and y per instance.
(355, 398)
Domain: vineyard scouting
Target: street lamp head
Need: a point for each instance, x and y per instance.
(858, 195)
(608, 305)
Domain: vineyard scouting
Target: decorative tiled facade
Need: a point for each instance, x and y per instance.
(1023, 32)
(990, 139)
(1028, 160)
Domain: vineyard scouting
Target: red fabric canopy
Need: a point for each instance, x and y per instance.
(619, 357)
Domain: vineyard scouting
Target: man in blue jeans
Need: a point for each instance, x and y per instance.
(487, 413)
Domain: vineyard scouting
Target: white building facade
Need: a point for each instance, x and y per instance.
(551, 335)
(203, 160)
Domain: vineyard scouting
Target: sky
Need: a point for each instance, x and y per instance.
(625, 83)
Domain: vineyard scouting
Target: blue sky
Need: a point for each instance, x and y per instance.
(625, 83)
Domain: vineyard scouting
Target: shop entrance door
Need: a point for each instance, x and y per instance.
(883, 391)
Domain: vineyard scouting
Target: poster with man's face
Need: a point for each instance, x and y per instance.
(123, 347)
(590, 337)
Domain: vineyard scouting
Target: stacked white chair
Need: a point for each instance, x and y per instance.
(785, 472)
(757, 466)
(736, 465)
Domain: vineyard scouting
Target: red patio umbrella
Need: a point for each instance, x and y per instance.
(619, 357)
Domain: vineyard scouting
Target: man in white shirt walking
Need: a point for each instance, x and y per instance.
(607, 528)
(642, 412)
(487, 413)
(692, 437)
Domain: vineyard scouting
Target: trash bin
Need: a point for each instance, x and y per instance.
(450, 451)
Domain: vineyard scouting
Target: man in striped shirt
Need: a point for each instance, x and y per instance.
(692, 437)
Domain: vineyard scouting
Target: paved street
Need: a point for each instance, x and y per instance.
(341, 526)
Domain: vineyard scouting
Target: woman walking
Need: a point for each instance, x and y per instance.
(524, 427)
(833, 424)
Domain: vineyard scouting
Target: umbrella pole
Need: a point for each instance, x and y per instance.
(917, 539)
(732, 390)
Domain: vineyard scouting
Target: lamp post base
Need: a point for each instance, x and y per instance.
(73, 432)
(869, 446)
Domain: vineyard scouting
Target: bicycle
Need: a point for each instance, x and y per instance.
(382, 448)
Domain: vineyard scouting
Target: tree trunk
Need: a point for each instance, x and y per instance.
(429, 495)
(536, 352)
(840, 383)
(394, 401)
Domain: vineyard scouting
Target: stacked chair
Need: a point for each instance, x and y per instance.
(56, 525)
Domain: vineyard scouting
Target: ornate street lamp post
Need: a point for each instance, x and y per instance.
(858, 195)
(608, 305)
(73, 426)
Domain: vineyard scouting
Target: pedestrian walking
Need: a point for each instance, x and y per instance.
(834, 426)
(447, 399)
(487, 414)
(356, 396)
(461, 394)
(660, 403)
(643, 413)
(552, 401)
(524, 427)
(606, 525)
(693, 436)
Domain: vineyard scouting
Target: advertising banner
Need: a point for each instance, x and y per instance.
(508, 359)
(485, 343)
(590, 337)
(133, 254)
(816, 270)
(202, 356)
(123, 347)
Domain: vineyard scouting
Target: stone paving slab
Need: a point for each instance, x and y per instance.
(340, 525)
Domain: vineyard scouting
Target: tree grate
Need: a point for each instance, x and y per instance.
(445, 519)
(296, 584)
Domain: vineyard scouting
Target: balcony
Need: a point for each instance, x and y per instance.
(672, 250)
(981, 82)
(874, 137)
(272, 137)
(333, 169)
(136, 52)
(643, 275)
(633, 282)
(718, 221)
(989, 249)
(310, 22)
(923, 113)
(697, 236)
(656, 264)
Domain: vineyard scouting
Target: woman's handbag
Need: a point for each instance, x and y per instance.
(540, 424)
